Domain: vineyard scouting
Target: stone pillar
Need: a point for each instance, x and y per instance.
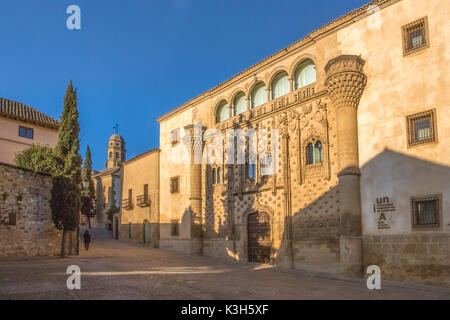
(345, 84)
(194, 142)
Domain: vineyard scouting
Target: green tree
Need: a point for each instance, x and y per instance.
(64, 164)
(38, 157)
(66, 204)
(68, 146)
(88, 192)
(65, 197)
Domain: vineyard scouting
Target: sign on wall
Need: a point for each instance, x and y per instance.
(383, 208)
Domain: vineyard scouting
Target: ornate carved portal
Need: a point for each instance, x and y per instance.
(313, 124)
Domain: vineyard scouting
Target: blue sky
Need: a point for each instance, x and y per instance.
(134, 60)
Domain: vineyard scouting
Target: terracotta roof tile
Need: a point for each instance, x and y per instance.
(22, 112)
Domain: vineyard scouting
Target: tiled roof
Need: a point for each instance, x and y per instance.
(342, 21)
(22, 112)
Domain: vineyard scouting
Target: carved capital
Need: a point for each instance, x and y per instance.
(193, 140)
(345, 80)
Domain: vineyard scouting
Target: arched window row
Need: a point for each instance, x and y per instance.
(303, 75)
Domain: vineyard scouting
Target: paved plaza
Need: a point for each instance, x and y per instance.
(114, 269)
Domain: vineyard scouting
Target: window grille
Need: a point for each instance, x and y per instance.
(421, 128)
(415, 36)
(425, 211)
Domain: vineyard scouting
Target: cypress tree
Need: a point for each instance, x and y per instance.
(66, 196)
(88, 194)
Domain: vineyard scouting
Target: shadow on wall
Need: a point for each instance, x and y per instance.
(222, 237)
(146, 233)
(402, 252)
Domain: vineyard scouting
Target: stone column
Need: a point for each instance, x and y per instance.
(345, 84)
(194, 142)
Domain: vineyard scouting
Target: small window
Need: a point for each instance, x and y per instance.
(117, 155)
(218, 176)
(314, 153)
(174, 185)
(266, 166)
(174, 228)
(12, 218)
(251, 170)
(425, 211)
(110, 155)
(421, 128)
(175, 136)
(213, 176)
(146, 191)
(26, 132)
(415, 36)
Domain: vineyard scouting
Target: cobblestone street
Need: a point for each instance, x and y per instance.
(123, 270)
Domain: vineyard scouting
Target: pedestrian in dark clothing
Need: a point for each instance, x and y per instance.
(87, 239)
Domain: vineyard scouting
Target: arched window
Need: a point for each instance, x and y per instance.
(110, 155)
(280, 85)
(218, 176)
(213, 176)
(222, 112)
(239, 104)
(259, 95)
(305, 74)
(117, 155)
(314, 153)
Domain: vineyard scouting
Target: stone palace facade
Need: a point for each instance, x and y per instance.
(357, 117)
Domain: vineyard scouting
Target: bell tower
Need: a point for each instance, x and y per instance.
(116, 151)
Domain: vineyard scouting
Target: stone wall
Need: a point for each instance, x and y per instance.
(24, 197)
(420, 258)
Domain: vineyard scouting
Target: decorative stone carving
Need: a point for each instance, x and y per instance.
(345, 84)
(346, 80)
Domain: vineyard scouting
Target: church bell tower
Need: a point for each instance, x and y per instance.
(116, 151)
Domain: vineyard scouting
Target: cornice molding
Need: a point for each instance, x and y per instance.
(343, 21)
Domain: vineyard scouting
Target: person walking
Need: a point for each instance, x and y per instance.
(87, 239)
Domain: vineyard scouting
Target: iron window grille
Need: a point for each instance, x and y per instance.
(143, 200)
(415, 36)
(425, 211)
(127, 204)
(421, 128)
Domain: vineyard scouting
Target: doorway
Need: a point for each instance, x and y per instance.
(258, 237)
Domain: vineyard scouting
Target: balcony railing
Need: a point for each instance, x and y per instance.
(127, 204)
(143, 200)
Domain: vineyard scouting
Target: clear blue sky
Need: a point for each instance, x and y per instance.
(134, 60)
